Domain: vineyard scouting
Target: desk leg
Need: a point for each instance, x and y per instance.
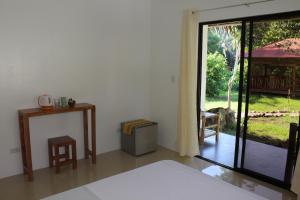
(27, 148)
(86, 132)
(21, 127)
(93, 118)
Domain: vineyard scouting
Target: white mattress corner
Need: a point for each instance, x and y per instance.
(162, 180)
(80, 193)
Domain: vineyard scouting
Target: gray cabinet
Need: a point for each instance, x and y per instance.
(142, 140)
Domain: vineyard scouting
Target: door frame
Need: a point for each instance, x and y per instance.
(244, 21)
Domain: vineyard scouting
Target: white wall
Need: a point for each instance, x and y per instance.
(122, 55)
(165, 50)
(95, 51)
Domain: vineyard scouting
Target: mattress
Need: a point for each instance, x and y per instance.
(162, 180)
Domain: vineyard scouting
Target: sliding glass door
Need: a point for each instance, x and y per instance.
(220, 91)
(272, 95)
(250, 77)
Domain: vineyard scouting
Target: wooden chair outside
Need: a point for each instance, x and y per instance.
(206, 129)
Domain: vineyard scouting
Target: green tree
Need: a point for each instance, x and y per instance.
(231, 47)
(274, 31)
(214, 42)
(217, 74)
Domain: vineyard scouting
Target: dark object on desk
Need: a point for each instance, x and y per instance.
(142, 140)
(24, 116)
(55, 158)
(71, 102)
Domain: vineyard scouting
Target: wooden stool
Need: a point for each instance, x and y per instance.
(58, 159)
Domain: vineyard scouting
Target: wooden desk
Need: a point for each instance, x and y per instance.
(24, 116)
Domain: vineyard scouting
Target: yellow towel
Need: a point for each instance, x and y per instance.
(129, 126)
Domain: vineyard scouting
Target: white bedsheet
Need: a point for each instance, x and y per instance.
(159, 181)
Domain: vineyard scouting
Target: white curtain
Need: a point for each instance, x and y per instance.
(187, 139)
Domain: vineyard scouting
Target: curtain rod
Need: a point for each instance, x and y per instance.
(233, 6)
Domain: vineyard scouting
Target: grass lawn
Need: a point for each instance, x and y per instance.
(269, 103)
(259, 103)
(268, 129)
(221, 101)
(276, 129)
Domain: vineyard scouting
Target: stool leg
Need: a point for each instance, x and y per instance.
(74, 155)
(57, 164)
(67, 152)
(50, 152)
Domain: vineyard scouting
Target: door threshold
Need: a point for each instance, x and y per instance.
(214, 162)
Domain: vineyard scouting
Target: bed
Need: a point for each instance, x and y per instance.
(162, 180)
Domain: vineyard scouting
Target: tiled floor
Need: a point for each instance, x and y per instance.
(265, 159)
(47, 182)
(221, 152)
(261, 158)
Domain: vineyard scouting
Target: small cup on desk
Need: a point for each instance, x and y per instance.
(63, 101)
(57, 103)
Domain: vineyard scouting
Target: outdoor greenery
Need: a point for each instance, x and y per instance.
(214, 43)
(217, 73)
(269, 103)
(223, 41)
(272, 130)
(223, 82)
(221, 101)
(273, 31)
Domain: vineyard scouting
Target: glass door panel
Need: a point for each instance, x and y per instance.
(220, 86)
(273, 98)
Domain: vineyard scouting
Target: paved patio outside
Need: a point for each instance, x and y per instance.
(261, 158)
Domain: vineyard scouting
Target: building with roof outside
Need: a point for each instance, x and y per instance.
(276, 68)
